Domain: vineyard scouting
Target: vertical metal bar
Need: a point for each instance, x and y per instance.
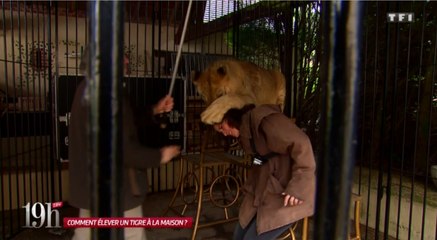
(2, 158)
(36, 91)
(152, 42)
(435, 235)
(363, 106)
(148, 62)
(404, 127)
(41, 92)
(159, 12)
(8, 134)
(76, 18)
(160, 55)
(166, 57)
(42, 99)
(381, 154)
(20, 67)
(137, 67)
(295, 62)
(390, 79)
(15, 135)
(236, 30)
(182, 104)
(152, 49)
(300, 57)
(128, 44)
(126, 50)
(146, 65)
(3, 187)
(55, 89)
(336, 163)
(431, 75)
(372, 117)
(417, 133)
(51, 123)
(105, 88)
(42, 102)
(26, 63)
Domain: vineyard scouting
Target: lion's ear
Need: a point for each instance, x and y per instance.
(221, 71)
(194, 75)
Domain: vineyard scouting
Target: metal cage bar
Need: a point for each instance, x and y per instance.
(106, 52)
(342, 75)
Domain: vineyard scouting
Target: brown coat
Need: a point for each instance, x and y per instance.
(292, 171)
(135, 156)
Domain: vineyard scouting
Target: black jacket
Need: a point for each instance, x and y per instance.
(136, 156)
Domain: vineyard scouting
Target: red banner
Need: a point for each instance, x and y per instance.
(113, 222)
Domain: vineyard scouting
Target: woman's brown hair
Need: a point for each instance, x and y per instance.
(233, 116)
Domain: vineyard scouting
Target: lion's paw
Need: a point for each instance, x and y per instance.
(213, 115)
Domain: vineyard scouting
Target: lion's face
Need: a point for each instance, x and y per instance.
(232, 83)
(211, 83)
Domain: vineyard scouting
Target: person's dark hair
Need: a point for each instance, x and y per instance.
(233, 116)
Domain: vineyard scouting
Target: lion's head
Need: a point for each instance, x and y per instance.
(215, 81)
(234, 83)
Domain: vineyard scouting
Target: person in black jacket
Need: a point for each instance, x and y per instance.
(136, 158)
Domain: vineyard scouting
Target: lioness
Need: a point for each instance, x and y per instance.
(227, 84)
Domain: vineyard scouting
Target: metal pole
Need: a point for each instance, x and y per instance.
(105, 88)
(341, 74)
(181, 43)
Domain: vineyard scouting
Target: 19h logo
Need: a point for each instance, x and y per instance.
(42, 212)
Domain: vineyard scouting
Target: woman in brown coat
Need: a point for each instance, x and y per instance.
(280, 188)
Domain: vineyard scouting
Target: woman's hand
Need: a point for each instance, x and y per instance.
(164, 105)
(291, 200)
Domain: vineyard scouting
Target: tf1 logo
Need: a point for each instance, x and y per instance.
(38, 213)
(400, 17)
